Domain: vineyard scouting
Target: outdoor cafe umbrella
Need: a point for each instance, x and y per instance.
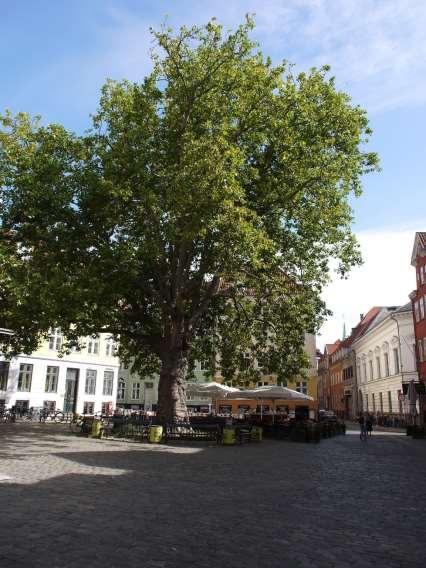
(272, 392)
(216, 387)
(213, 389)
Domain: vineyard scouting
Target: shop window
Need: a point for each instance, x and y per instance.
(49, 405)
(88, 407)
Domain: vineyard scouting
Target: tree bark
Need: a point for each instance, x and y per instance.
(171, 388)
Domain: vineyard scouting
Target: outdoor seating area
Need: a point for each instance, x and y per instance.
(213, 428)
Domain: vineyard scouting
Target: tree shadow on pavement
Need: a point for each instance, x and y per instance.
(273, 504)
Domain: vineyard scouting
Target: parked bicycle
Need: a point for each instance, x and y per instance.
(51, 416)
(7, 415)
(81, 424)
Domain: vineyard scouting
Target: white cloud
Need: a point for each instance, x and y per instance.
(377, 48)
(385, 279)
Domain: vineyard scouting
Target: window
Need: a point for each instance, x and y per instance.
(370, 364)
(4, 374)
(149, 385)
(422, 308)
(416, 311)
(373, 397)
(389, 401)
(302, 386)
(52, 375)
(420, 352)
(396, 360)
(379, 371)
(55, 339)
(364, 371)
(424, 348)
(386, 358)
(108, 383)
(110, 347)
(262, 383)
(49, 405)
(136, 390)
(204, 365)
(107, 408)
(245, 362)
(381, 402)
(25, 375)
(400, 395)
(90, 387)
(88, 407)
(21, 406)
(121, 390)
(366, 401)
(93, 345)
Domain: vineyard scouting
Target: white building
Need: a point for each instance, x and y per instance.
(84, 381)
(385, 362)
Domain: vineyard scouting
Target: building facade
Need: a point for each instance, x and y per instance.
(306, 384)
(418, 300)
(336, 380)
(83, 381)
(351, 403)
(137, 392)
(385, 362)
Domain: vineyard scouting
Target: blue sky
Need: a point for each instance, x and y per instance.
(56, 55)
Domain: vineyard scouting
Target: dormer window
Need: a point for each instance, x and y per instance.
(55, 339)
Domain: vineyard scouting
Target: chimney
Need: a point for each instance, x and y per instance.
(361, 317)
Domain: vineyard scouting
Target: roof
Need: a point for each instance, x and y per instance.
(330, 348)
(363, 325)
(419, 245)
(386, 312)
(402, 309)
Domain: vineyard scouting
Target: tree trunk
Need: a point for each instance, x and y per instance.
(171, 388)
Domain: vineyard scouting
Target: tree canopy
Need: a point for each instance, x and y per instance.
(199, 213)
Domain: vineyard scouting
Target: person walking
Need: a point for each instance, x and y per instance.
(362, 427)
(369, 425)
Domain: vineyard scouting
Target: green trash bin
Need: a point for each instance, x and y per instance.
(155, 434)
(229, 437)
(256, 434)
(96, 431)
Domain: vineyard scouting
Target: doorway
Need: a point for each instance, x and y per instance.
(71, 388)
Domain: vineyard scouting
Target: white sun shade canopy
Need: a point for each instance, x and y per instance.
(271, 392)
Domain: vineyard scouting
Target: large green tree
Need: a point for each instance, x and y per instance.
(198, 214)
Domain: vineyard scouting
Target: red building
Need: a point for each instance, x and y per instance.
(418, 299)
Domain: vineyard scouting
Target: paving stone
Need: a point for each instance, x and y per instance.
(69, 501)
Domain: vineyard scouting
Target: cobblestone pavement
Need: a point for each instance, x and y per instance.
(71, 502)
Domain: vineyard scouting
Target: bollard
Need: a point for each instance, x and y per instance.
(155, 434)
(256, 434)
(228, 438)
(96, 431)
